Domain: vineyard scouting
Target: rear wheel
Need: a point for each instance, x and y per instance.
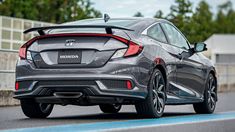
(154, 104)
(110, 108)
(210, 98)
(33, 109)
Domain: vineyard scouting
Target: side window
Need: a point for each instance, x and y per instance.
(175, 37)
(156, 33)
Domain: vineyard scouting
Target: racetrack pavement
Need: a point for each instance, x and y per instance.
(12, 117)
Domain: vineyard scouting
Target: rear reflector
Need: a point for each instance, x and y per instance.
(16, 85)
(128, 84)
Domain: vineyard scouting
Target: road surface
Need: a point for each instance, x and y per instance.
(12, 117)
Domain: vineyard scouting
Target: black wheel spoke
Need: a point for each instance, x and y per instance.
(160, 88)
(156, 81)
(209, 100)
(212, 100)
(211, 93)
(155, 103)
(155, 93)
(161, 102)
(158, 93)
(161, 94)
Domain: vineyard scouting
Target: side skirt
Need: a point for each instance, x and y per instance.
(176, 100)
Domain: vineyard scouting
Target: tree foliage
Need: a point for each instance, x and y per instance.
(180, 15)
(200, 24)
(55, 11)
(138, 14)
(197, 25)
(159, 14)
(225, 18)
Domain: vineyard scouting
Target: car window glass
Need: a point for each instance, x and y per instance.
(114, 22)
(175, 37)
(156, 33)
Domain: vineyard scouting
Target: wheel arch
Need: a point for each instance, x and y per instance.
(161, 65)
(213, 72)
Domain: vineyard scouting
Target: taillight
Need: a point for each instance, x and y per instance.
(133, 49)
(23, 49)
(16, 85)
(22, 52)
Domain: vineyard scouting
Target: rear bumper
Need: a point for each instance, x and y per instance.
(89, 85)
(91, 82)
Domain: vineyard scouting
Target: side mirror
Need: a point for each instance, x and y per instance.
(199, 47)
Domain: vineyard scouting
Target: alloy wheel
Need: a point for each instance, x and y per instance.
(158, 93)
(211, 93)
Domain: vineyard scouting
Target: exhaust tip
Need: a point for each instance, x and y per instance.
(70, 95)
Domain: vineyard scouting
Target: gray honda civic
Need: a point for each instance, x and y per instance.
(111, 62)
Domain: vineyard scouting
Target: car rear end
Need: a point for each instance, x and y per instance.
(82, 68)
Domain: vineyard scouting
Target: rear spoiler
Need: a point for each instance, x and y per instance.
(108, 28)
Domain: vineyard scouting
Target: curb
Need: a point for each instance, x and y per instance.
(6, 98)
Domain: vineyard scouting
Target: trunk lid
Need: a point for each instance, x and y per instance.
(74, 50)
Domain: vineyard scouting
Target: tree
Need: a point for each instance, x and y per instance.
(225, 18)
(181, 10)
(159, 14)
(180, 15)
(55, 11)
(138, 14)
(201, 23)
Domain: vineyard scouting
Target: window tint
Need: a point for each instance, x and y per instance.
(115, 22)
(156, 33)
(175, 37)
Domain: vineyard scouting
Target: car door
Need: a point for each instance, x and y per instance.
(189, 70)
(157, 35)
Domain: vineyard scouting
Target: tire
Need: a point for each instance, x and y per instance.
(33, 109)
(110, 108)
(154, 104)
(210, 97)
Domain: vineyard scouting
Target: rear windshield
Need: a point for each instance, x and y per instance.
(114, 22)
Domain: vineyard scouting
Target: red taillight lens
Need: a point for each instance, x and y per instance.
(128, 84)
(23, 48)
(16, 85)
(22, 52)
(133, 49)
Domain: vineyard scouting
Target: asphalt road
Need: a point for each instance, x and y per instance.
(12, 117)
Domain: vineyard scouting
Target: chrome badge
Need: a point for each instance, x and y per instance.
(70, 42)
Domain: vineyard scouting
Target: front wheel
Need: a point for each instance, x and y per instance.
(154, 104)
(210, 97)
(33, 109)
